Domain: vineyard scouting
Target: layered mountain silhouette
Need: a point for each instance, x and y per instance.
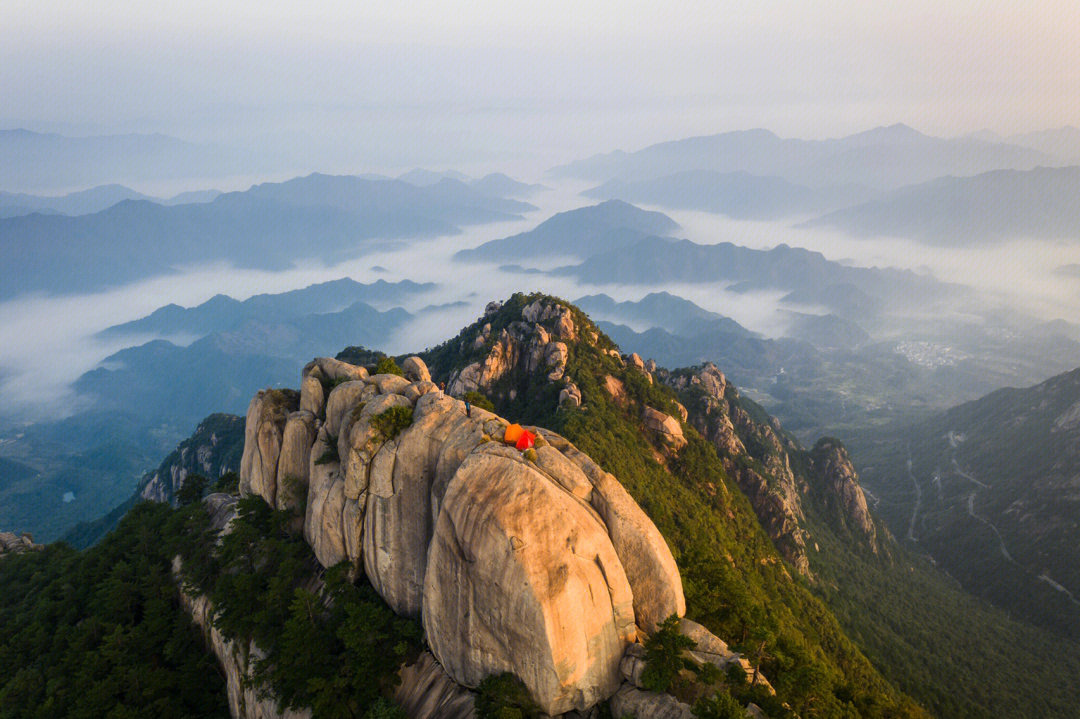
(270, 226)
(739, 194)
(881, 158)
(969, 211)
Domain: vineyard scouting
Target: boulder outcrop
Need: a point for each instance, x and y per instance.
(11, 543)
(664, 426)
(540, 564)
(535, 343)
(772, 487)
(841, 488)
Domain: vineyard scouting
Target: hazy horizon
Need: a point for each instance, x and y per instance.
(522, 88)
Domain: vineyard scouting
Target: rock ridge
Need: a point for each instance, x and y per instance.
(538, 563)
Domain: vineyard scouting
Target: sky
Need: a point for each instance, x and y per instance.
(493, 83)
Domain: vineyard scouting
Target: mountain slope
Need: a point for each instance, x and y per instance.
(949, 650)
(682, 483)
(989, 489)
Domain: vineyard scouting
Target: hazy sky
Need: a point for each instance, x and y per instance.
(404, 82)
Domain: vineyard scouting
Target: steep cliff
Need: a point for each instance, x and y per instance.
(211, 451)
(783, 481)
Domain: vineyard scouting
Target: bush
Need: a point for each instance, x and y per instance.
(504, 696)
(330, 454)
(391, 422)
(387, 365)
(228, 483)
(663, 655)
(191, 491)
(721, 706)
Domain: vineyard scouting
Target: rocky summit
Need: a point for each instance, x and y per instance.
(536, 562)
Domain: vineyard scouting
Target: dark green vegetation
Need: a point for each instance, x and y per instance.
(390, 423)
(954, 653)
(663, 655)
(988, 489)
(101, 633)
(335, 648)
(504, 696)
(735, 582)
(387, 365)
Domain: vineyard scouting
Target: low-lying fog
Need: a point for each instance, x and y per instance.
(48, 342)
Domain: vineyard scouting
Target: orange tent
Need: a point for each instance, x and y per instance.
(513, 434)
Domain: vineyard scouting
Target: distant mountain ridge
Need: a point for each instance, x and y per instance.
(989, 207)
(737, 194)
(582, 232)
(269, 226)
(881, 158)
(88, 201)
(36, 162)
(222, 312)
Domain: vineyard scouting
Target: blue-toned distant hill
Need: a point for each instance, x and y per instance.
(577, 233)
(131, 410)
(43, 162)
(269, 226)
(222, 312)
(164, 382)
(448, 200)
(972, 210)
(499, 185)
(810, 278)
(85, 202)
(736, 194)
(658, 309)
(881, 158)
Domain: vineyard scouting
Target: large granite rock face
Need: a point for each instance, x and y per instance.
(541, 566)
(266, 418)
(522, 577)
(646, 557)
(294, 459)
